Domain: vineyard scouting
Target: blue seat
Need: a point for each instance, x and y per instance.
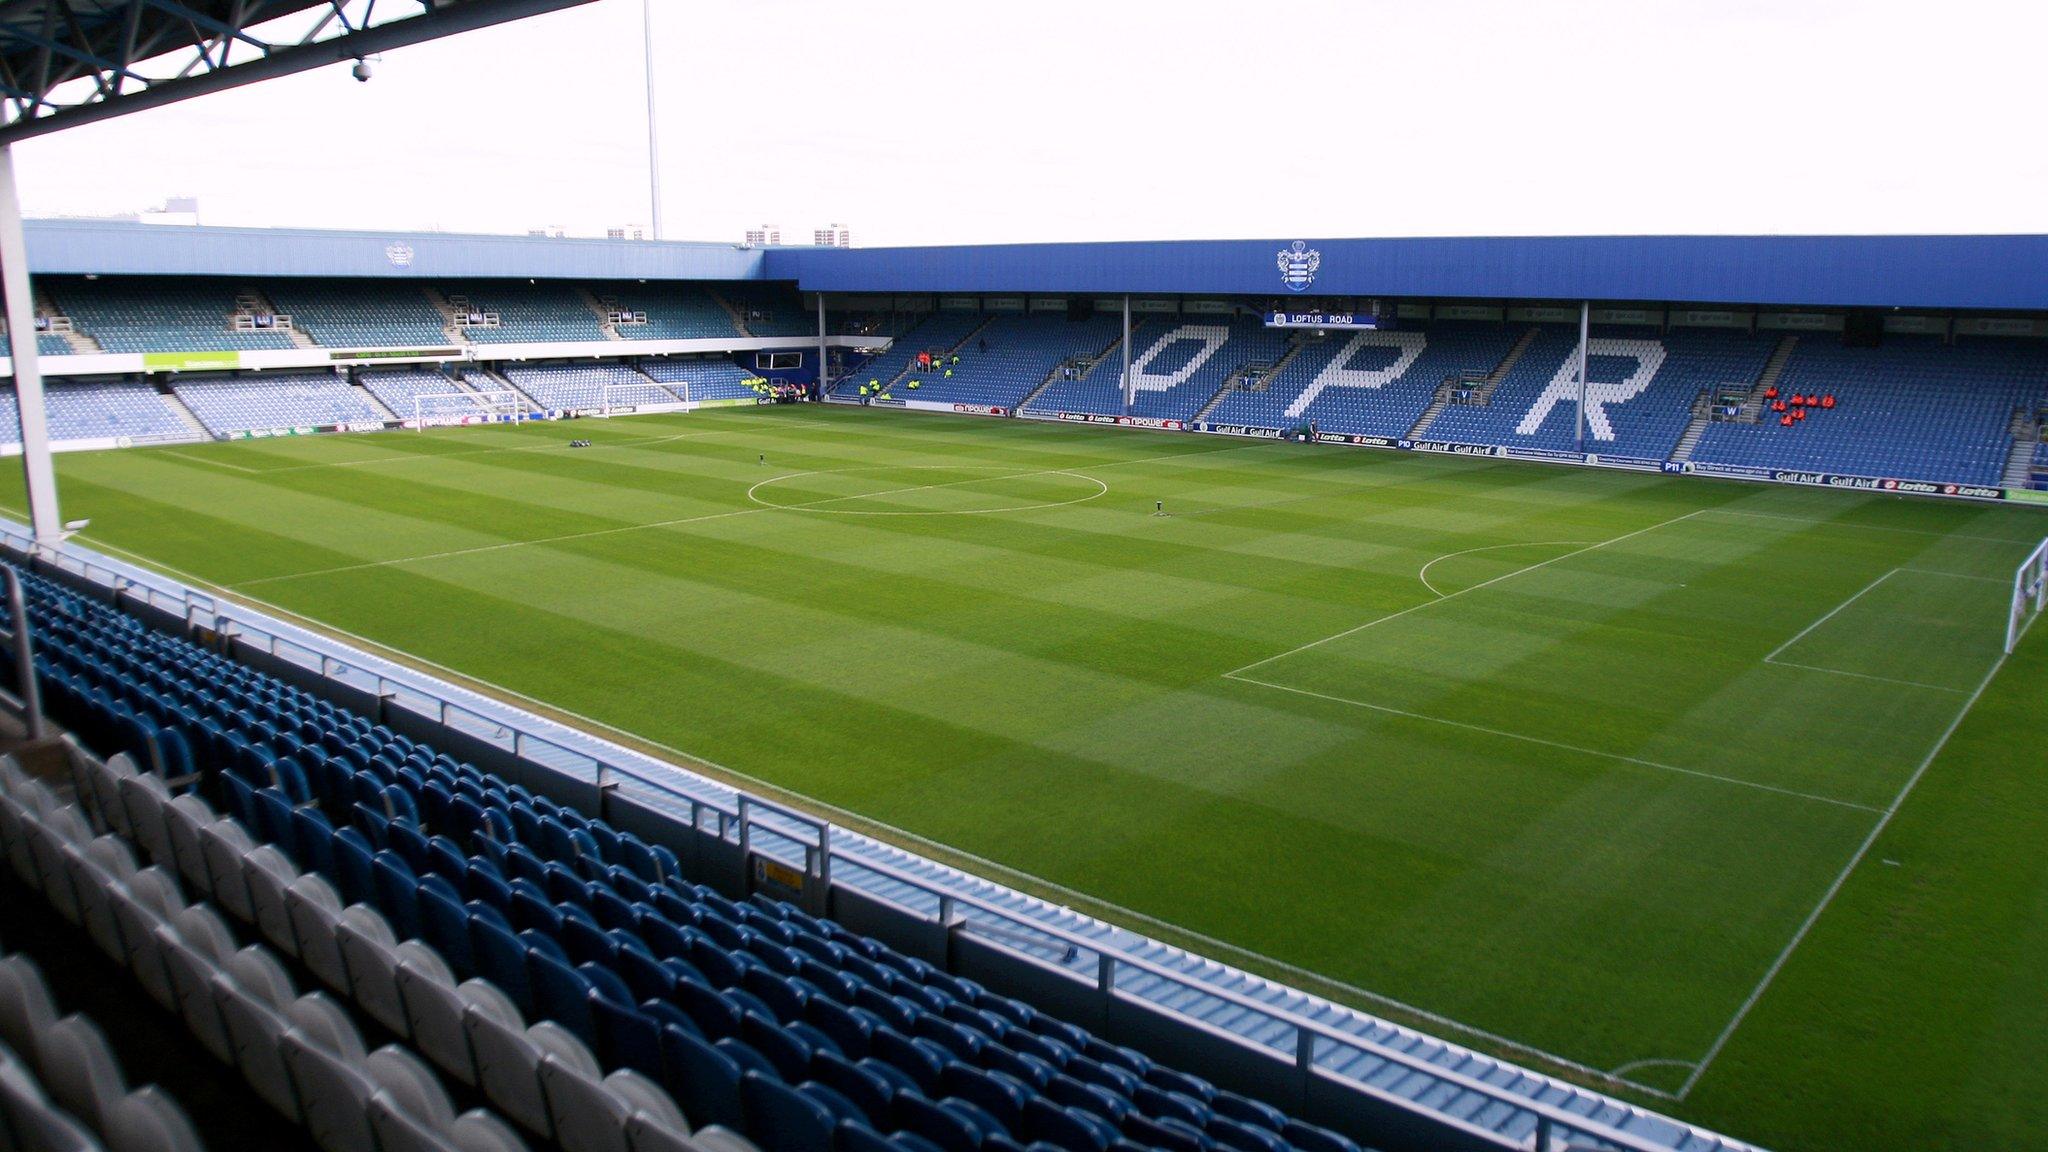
(715, 1015)
(704, 1080)
(626, 1037)
(1169, 1135)
(784, 1048)
(1310, 1138)
(872, 1094)
(781, 1119)
(848, 1031)
(397, 893)
(999, 1097)
(1229, 1133)
(1069, 1128)
(501, 959)
(1246, 1110)
(444, 923)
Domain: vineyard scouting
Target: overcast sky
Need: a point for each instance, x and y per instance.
(919, 122)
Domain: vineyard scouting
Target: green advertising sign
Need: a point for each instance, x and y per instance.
(190, 361)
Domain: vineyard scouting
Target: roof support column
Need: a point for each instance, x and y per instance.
(1126, 346)
(40, 478)
(1585, 323)
(824, 358)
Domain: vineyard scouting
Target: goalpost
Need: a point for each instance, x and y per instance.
(2029, 592)
(629, 399)
(442, 409)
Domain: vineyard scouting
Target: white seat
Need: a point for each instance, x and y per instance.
(256, 1031)
(14, 835)
(717, 1138)
(268, 873)
(479, 1131)
(396, 1130)
(184, 816)
(144, 955)
(406, 1079)
(322, 1019)
(143, 797)
(79, 1070)
(650, 1102)
(26, 1011)
(645, 1134)
(433, 1015)
(372, 955)
(99, 871)
(147, 1120)
(193, 973)
(334, 1098)
(507, 1059)
(224, 843)
(102, 779)
(11, 774)
(587, 1116)
(315, 910)
(202, 929)
(256, 971)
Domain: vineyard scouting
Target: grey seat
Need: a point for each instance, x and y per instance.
(147, 1120)
(334, 1098)
(79, 1070)
(315, 910)
(433, 1014)
(268, 872)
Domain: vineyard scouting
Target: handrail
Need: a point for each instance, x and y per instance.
(24, 655)
(738, 822)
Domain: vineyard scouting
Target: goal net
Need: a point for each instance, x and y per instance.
(2029, 591)
(441, 409)
(628, 399)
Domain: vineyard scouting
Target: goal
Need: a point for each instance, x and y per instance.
(628, 399)
(2029, 591)
(441, 409)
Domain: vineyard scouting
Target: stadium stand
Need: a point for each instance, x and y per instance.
(527, 313)
(672, 311)
(61, 1085)
(1022, 351)
(705, 379)
(400, 388)
(275, 401)
(1367, 383)
(1177, 366)
(1910, 409)
(360, 314)
(1642, 386)
(391, 871)
(571, 387)
(99, 410)
(768, 311)
(157, 314)
(938, 332)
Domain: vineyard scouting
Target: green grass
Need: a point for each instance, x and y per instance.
(1566, 756)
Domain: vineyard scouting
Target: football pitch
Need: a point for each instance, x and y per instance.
(1722, 797)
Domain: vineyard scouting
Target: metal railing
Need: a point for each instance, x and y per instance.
(756, 823)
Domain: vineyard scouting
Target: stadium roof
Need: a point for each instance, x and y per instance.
(66, 62)
(2006, 273)
(1996, 273)
(125, 248)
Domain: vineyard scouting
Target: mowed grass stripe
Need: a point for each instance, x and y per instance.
(1045, 689)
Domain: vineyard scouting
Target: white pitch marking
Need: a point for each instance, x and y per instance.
(1460, 592)
(1832, 613)
(1505, 734)
(1852, 525)
(1828, 897)
(1868, 676)
(1423, 575)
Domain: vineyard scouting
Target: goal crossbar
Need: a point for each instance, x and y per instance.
(2029, 593)
(652, 396)
(441, 409)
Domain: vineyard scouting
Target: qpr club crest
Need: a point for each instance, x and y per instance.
(399, 253)
(1298, 264)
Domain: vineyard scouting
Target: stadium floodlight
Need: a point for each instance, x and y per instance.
(2029, 593)
(633, 399)
(442, 409)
